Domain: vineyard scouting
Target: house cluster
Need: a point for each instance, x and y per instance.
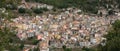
(66, 28)
(34, 5)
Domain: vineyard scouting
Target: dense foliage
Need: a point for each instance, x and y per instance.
(6, 40)
(86, 5)
(113, 38)
(66, 49)
(5, 3)
(39, 10)
(22, 10)
(89, 6)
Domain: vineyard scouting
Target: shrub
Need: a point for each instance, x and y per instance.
(44, 9)
(22, 10)
(37, 11)
(21, 46)
(11, 7)
(28, 11)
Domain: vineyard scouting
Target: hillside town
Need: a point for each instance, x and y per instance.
(67, 28)
(70, 27)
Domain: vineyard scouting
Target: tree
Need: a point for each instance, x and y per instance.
(11, 7)
(4, 3)
(113, 38)
(35, 42)
(66, 49)
(87, 49)
(87, 5)
(110, 12)
(112, 45)
(22, 10)
(116, 25)
(5, 35)
(37, 11)
(8, 14)
(36, 49)
(21, 46)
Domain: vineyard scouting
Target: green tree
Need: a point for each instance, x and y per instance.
(87, 49)
(36, 49)
(86, 5)
(116, 25)
(22, 10)
(8, 14)
(35, 42)
(11, 7)
(112, 45)
(21, 46)
(66, 49)
(113, 38)
(4, 3)
(5, 39)
(37, 10)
